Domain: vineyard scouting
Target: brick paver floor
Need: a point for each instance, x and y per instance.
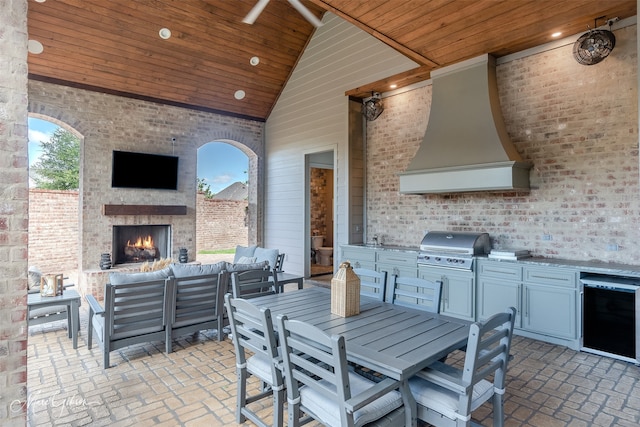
(195, 385)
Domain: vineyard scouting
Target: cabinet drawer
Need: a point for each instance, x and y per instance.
(398, 270)
(501, 270)
(400, 259)
(355, 254)
(551, 276)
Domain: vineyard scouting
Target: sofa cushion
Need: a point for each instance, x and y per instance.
(270, 255)
(246, 260)
(231, 268)
(243, 251)
(182, 270)
(120, 278)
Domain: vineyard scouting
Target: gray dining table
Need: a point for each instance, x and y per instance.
(393, 340)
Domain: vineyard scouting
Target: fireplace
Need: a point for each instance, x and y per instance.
(140, 243)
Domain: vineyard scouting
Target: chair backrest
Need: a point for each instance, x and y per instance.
(252, 283)
(136, 309)
(279, 262)
(372, 283)
(417, 293)
(252, 329)
(488, 349)
(198, 299)
(313, 359)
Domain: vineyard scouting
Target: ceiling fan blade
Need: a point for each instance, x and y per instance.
(255, 12)
(306, 13)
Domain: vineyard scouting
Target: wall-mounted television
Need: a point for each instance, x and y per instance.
(143, 170)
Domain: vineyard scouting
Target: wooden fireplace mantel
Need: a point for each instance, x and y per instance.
(110, 210)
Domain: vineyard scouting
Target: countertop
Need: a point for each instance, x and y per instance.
(591, 266)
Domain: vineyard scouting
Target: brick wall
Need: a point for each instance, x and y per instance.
(13, 213)
(106, 123)
(54, 220)
(577, 124)
(221, 224)
(53, 230)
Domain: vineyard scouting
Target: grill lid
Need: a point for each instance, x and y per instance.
(456, 242)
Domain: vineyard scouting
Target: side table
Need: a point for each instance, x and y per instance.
(70, 299)
(284, 278)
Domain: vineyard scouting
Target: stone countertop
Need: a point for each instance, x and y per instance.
(591, 266)
(384, 247)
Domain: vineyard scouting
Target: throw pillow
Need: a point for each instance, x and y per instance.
(34, 278)
(243, 251)
(270, 255)
(244, 267)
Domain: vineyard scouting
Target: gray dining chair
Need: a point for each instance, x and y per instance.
(446, 396)
(417, 293)
(320, 384)
(372, 283)
(253, 283)
(252, 330)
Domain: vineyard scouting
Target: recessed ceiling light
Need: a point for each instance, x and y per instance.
(41, 1)
(556, 34)
(254, 61)
(35, 47)
(239, 94)
(165, 33)
(393, 86)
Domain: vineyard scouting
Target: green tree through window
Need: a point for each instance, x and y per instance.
(59, 165)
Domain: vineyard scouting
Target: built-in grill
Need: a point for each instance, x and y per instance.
(453, 249)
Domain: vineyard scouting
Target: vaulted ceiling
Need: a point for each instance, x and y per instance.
(114, 46)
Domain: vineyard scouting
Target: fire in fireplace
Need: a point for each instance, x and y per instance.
(140, 243)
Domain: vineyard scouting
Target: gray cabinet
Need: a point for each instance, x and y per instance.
(499, 287)
(359, 257)
(550, 301)
(458, 290)
(397, 263)
(546, 298)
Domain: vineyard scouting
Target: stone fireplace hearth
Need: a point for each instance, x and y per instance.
(140, 243)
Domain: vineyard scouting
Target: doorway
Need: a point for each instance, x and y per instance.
(320, 214)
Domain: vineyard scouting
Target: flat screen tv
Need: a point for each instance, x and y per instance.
(142, 170)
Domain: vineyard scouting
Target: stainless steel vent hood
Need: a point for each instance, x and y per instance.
(466, 146)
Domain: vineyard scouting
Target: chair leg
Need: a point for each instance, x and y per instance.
(278, 407)
(498, 410)
(69, 329)
(294, 415)
(242, 394)
(90, 331)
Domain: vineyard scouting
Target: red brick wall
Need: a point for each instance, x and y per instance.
(221, 224)
(53, 230)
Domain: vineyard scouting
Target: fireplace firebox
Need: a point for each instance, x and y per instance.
(140, 243)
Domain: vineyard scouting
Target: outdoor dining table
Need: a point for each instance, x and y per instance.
(393, 340)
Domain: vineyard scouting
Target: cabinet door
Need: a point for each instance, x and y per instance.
(457, 298)
(359, 257)
(495, 296)
(550, 310)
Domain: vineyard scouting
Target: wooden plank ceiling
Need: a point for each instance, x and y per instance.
(114, 46)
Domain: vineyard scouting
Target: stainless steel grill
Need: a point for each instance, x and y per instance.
(453, 249)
